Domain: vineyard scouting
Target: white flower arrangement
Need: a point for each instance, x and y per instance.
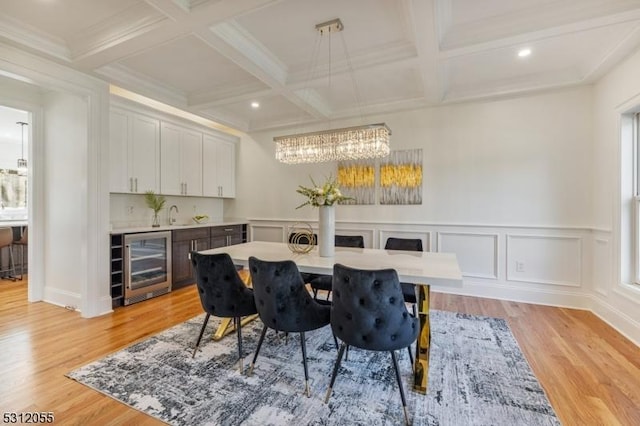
(322, 195)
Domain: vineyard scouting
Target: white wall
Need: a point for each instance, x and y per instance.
(130, 210)
(523, 161)
(65, 135)
(11, 147)
(514, 187)
(53, 93)
(615, 97)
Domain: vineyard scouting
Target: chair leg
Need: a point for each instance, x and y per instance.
(335, 372)
(238, 324)
(204, 325)
(315, 293)
(404, 401)
(255, 356)
(22, 260)
(328, 294)
(335, 340)
(346, 357)
(303, 344)
(410, 354)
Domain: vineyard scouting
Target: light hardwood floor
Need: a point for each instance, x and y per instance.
(591, 373)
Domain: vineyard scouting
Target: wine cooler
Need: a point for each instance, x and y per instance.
(147, 266)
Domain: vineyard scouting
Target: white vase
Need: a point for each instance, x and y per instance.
(327, 231)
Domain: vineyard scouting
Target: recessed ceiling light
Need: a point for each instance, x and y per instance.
(255, 105)
(524, 52)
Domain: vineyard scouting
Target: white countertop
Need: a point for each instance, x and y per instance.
(136, 229)
(13, 223)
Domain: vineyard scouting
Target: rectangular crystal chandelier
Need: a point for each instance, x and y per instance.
(351, 143)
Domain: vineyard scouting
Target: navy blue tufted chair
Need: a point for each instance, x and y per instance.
(368, 312)
(323, 282)
(222, 292)
(408, 244)
(284, 304)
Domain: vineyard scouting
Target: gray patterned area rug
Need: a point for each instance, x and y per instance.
(478, 376)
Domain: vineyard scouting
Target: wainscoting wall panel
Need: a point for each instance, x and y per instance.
(601, 274)
(477, 253)
(545, 259)
(544, 265)
(267, 232)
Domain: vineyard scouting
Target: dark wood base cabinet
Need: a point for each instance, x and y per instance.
(184, 241)
(197, 239)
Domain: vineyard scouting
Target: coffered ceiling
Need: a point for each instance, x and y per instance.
(214, 57)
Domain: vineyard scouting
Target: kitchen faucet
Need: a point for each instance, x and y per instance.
(172, 219)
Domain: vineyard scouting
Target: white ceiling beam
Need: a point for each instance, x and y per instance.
(469, 43)
(128, 79)
(216, 98)
(33, 38)
(422, 16)
(597, 69)
(177, 23)
(116, 30)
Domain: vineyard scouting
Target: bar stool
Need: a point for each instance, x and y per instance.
(6, 240)
(22, 243)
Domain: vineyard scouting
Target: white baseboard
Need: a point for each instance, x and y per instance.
(623, 323)
(493, 290)
(66, 299)
(617, 319)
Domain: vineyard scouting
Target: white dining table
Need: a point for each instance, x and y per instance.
(421, 268)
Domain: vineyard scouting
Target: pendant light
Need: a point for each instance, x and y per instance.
(22, 163)
(351, 143)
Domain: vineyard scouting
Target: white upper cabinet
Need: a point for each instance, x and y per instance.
(180, 160)
(134, 152)
(148, 153)
(219, 167)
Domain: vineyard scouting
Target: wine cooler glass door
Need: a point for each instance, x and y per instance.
(148, 265)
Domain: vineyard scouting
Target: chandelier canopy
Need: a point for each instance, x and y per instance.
(350, 143)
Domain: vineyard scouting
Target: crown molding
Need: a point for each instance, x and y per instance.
(34, 38)
(119, 28)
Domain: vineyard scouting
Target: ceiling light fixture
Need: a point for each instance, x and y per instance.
(22, 163)
(350, 143)
(255, 105)
(523, 53)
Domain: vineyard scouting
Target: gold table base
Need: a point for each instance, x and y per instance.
(227, 327)
(423, 343)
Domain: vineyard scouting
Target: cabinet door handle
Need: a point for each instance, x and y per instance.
(128, 273)
(228, 229)
(185, 188)
(136, 184)
(195, 245)
(130, 184)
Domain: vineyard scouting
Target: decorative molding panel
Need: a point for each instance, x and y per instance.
(477, 253)
(545, 259)
(601, 273)
(273, 233)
